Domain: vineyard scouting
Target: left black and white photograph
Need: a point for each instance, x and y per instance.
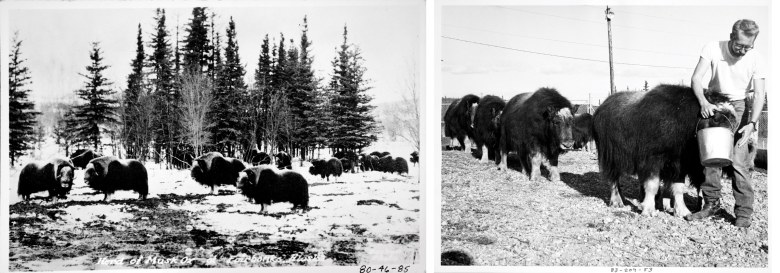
(214, 135)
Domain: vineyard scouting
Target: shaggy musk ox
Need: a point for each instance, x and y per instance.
(415, 158)
(346, 165)
(365, 163)
(283, 161)
(327, 168)
(81, 157)
(652, 135)
(264, 185)
(486, 131)
(458, 119)
(581, 131)
(55, 176)
(108, 174)
(256, 157)
(534, 125)
(386, 164)
(400, 166)
(212, 169)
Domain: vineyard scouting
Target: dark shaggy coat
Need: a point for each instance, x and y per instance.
(486, 126)
(212, 169)
(81, 157)
(651, 134)
(283, 161)
(264, 185)
(346, 164)
(327, 168)
(365, 163)
(374, 162)
(581, 131)
(256, 157)
(379, 154)
(386, 164)
(458, 119)
(400, 165)
(108, 174)
(534, 125)
(415, 158)
(55, 176)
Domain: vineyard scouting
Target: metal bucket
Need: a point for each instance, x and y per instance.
(715, 145)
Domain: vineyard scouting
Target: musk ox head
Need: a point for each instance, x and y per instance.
(64, 176)
(561, 122)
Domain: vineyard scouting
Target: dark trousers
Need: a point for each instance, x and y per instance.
(739, 171)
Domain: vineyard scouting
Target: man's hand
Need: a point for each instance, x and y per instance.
(707, 109)
(747, 132)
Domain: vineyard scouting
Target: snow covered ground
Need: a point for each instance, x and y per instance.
(361, 218)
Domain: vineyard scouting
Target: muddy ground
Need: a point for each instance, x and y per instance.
(364, 218)
(504, 219)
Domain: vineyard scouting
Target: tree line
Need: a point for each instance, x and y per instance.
(188, 96)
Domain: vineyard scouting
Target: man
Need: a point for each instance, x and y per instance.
(735, 71)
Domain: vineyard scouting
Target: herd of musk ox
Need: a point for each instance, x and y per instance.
(648, 134)
(258, 180)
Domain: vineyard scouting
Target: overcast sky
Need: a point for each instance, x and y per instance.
(57, 42)
(506, 50)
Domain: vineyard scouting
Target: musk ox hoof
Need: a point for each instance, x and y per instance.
(616, 203)
(681, 212)
(649, 210)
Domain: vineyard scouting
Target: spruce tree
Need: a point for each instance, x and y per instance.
(226, 114)
(99, 109)
(132, 127)
(305, 94)
(165, 94)
(21, 113)
(260, 94)
(355, 127)
(197, 47)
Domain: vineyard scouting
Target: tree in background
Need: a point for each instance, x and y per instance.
(303, 94)
(355, 127)
(132, 127)
(197, 99)
(226, 111)
(164, 90)
(646, 87)
(21, 113)
(63, 134)
(260, 95)
(99, 109)
(197, 47)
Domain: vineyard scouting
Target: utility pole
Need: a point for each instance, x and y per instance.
(609, 14)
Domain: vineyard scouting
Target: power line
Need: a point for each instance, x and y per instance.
(601, 23)
(569, 42)
(556, 55)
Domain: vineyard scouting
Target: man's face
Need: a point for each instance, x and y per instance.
(741, 44)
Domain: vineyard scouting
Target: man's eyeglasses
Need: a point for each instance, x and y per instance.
(742, 47)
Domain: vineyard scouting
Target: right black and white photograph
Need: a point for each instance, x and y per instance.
(622, 136)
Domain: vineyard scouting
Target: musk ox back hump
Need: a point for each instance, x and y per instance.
(334, 165)
(387, 164)
(400, 165)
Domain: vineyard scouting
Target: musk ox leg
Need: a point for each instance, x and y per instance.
(555, 176)
(502, 165)
(678, 192)
(616, 197)
(650, 185)
(462, 142)
(263, 207)
(536, 163)
(484, 155)
(107, 197)
(212, 190)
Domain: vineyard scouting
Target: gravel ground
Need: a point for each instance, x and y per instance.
(505, 219)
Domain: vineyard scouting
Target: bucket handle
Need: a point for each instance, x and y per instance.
(731, 125)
